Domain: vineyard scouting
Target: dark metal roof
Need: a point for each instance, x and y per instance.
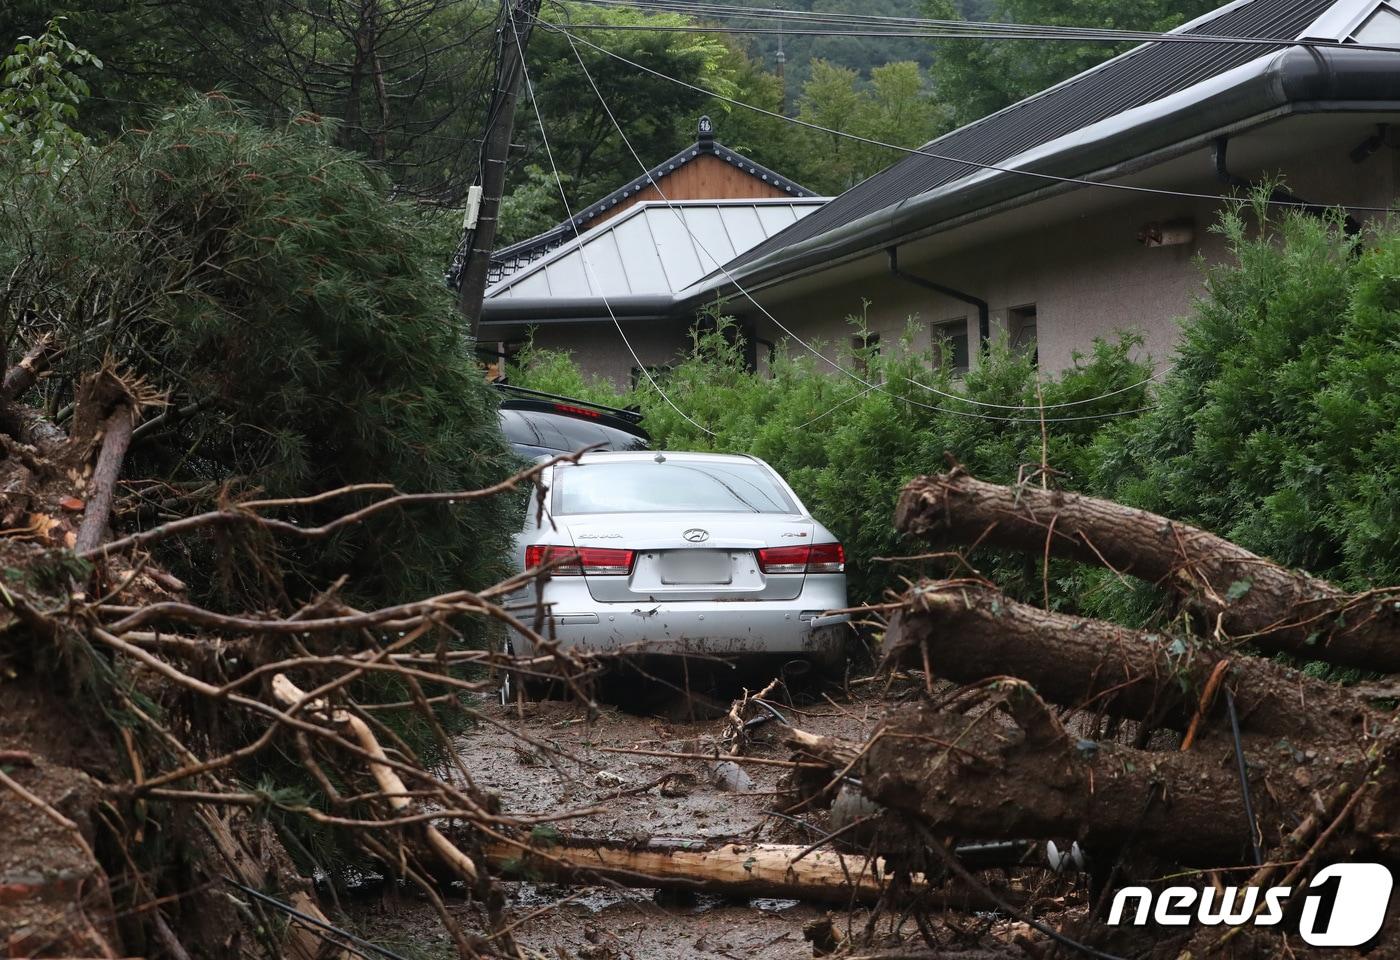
(1140, 76)
(509, 259)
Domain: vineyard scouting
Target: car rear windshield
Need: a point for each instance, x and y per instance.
(553, 431)
(672, 486)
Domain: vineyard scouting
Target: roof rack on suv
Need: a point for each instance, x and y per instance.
(572, 404)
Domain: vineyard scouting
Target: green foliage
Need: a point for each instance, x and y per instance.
(847, 450)
(658, 115)
(531, 207)
(1277, 426)
(262, 279)
(861, 54)
(892, 108)
(39, 97)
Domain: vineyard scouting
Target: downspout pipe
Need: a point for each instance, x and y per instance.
(984, 313)
(1279, 195)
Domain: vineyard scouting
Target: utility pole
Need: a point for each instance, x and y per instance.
(517, 21)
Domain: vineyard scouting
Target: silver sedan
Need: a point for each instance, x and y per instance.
(668, 553)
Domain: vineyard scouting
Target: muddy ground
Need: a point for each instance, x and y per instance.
(571, 767)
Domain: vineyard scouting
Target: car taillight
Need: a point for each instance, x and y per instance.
(578, 561)
(827, 558)
(816, 558)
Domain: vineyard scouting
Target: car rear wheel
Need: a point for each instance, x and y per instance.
(517, 686)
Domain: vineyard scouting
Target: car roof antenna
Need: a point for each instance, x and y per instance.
(660, 457)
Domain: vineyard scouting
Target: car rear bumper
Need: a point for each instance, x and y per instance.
(700, 629)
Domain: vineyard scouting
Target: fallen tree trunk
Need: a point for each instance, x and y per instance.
(1253, 598)
(390, 784)
(731, 869)
(966, 632)
(981, 778)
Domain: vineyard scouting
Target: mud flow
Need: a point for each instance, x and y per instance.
(608, 764)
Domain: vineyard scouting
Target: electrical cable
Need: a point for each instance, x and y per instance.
(1243, 768)
(813, 350)
(583, 255)
(965, 875)
(976, 35)
(838, 406)
(919, 27)
(1047, 406)
(320, 925)
(924, 152)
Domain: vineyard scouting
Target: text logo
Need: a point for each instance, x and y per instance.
(1343, 905)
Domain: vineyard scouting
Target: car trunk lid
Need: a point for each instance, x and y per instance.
(697, 557)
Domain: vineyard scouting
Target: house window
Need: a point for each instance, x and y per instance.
(950, 344)
(1020, 331)
(865, 345)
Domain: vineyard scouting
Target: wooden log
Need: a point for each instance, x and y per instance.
(116, 438)
(979, 777)
(729, 869)
(288, 693)
(968, 632)
(255, 869)
(1251, 597)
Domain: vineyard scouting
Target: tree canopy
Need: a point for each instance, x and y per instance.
(260, 279)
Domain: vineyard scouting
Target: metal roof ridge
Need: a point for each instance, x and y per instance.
(671, 164)
(573, 227)
(1339, 20)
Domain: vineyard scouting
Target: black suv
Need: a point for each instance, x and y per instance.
(543, 424)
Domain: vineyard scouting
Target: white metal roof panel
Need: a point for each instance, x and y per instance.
(654, 248)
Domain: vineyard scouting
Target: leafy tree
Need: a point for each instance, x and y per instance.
(531, 207)
(295, 319)
(830, 99)
(659, 116)
(39, 97)
(405, 79)
(892, 108)
(861, 54)
(976, 77)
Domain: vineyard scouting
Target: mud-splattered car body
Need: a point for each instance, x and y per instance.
(673, 553)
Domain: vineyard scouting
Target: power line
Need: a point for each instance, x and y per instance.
(815, 352)
(1040, 406)
(356, 945)
(583, 252)
(980, 35)
(916, 27)
(924, 152)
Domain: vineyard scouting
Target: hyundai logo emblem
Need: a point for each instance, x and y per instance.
(696, 535)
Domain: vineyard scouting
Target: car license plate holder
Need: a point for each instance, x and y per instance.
(693, 567)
